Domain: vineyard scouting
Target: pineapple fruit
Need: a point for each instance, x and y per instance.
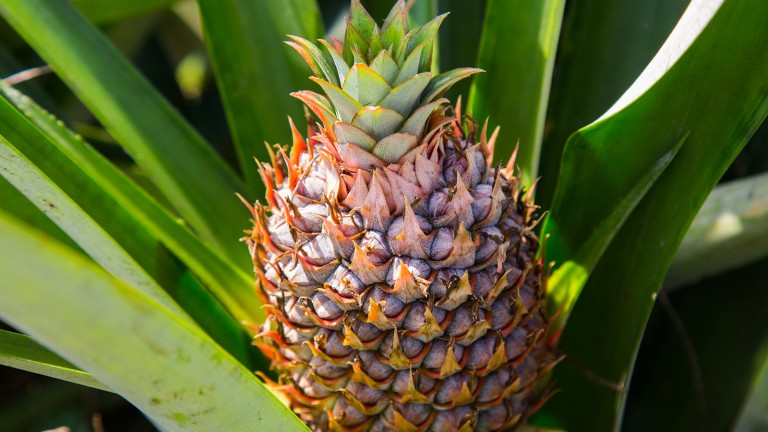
(397, 265)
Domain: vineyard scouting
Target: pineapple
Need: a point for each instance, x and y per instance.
(397, 265)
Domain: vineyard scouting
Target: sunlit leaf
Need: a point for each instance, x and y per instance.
(167, 368)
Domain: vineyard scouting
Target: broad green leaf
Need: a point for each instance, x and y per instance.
(102, 11)
(166, 367)
(715, 330)
(708, 81)
(142, 226)
(568, 280)
(65, 212)
(18, 206)
(517, 50)
(605, 44)
(189, 172)
(256, 71)
(730, 230)
(20, 352)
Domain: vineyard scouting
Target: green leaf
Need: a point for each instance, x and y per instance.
(345, 106)
(518, 50)
(711, 332)
(65, 212)
(605, 44)
(364, 85)
(103, 11)
(142, 226)
(256, 72)
(20, 352)
(378, 122)
(570, 277)
(166, 367)
(708, 81)
(18, 206)
(730, 230)
(189, 172)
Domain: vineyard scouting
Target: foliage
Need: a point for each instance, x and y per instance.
(147, 293)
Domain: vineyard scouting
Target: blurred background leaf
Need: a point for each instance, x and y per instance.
(256, 71)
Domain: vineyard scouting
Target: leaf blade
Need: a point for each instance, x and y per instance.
(256, 97)
(517, 49)
(213, 391)
(620, 291)
(172, 153)
(21, 352)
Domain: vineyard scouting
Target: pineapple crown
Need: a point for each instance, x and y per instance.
(379, 88)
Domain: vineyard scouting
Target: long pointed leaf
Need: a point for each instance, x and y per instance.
(142, 226)
(517, 50)
(169, 369)
(605, 46)
(708, 81)
(255, 71)
(35, 185)
(20, 352)
(193, 177)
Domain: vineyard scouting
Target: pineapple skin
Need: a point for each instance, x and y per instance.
(402, 314)
(397, 265)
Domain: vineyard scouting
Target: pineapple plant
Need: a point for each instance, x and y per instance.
(398, 264)
(403, 280)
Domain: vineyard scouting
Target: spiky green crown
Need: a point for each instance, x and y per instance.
(379, 87)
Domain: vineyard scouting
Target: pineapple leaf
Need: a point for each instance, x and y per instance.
(346, 106)
(708, 80)
(441, 83)
(354, 40)
(378, 122)
(321, 65)
(410, 66)
(86, 307)
(243, 37)
(395, 27)
(599, 69)
(47, 195)
(364, 85)
(189, 172)
(21, 352)
(342, 68)
(405, 96)
(425, 33)
(518, 45)
(346, 133)
(385, 66)
(393, 147)
(136, 221)
(361, 20)
(416, 122)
